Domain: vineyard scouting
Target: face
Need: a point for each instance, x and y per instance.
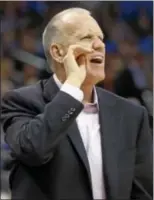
(84, 30)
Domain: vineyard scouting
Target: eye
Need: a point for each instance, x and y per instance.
(87, 37)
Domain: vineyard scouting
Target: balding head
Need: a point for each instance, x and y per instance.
(59, 27)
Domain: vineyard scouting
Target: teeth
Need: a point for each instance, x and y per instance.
(97, 59)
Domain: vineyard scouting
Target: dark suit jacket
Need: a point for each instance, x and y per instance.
(50, 159)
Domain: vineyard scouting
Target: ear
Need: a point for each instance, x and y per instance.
(57, 52)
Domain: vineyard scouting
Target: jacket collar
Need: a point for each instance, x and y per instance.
(50, 89)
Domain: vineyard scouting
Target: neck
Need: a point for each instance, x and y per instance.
(60, 73)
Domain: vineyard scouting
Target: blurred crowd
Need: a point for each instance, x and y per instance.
(128, 29)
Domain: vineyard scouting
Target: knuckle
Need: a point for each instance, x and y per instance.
(73, 47)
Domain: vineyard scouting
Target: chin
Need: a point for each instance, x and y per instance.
(94, 78)
(96, 74)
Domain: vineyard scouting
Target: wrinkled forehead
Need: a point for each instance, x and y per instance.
(80, 25)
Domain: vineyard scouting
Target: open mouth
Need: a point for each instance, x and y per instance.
(97, 60)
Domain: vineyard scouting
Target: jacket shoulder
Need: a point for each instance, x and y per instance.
(30, 97)
(128, 106)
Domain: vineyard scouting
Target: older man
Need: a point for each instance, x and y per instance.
(70, 139)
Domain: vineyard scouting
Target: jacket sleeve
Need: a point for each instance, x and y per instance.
(144, 168)
(32, 137)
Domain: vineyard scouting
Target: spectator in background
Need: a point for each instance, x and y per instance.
(30, 75)
(142, 24)
(6, 74)
(131, 83)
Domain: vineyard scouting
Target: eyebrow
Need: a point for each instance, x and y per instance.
(88, 34)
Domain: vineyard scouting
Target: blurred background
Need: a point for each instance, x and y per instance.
(128, 28)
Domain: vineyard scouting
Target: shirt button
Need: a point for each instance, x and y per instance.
(70, 112)
(63, 119)
(72, 109)
(67, 116)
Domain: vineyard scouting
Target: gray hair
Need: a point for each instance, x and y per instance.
(52, 33)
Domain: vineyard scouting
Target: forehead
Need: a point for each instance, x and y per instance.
(80, 25)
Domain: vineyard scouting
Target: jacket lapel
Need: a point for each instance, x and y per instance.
(110, 122)
(76, 140)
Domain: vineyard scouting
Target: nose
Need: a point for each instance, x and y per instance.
(98, 44)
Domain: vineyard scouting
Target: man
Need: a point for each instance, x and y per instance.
(71, 140)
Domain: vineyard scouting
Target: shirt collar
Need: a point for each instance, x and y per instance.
(57, 81)
(59, 84)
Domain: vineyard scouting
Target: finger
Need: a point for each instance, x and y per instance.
(78, 49)
(70, 54)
